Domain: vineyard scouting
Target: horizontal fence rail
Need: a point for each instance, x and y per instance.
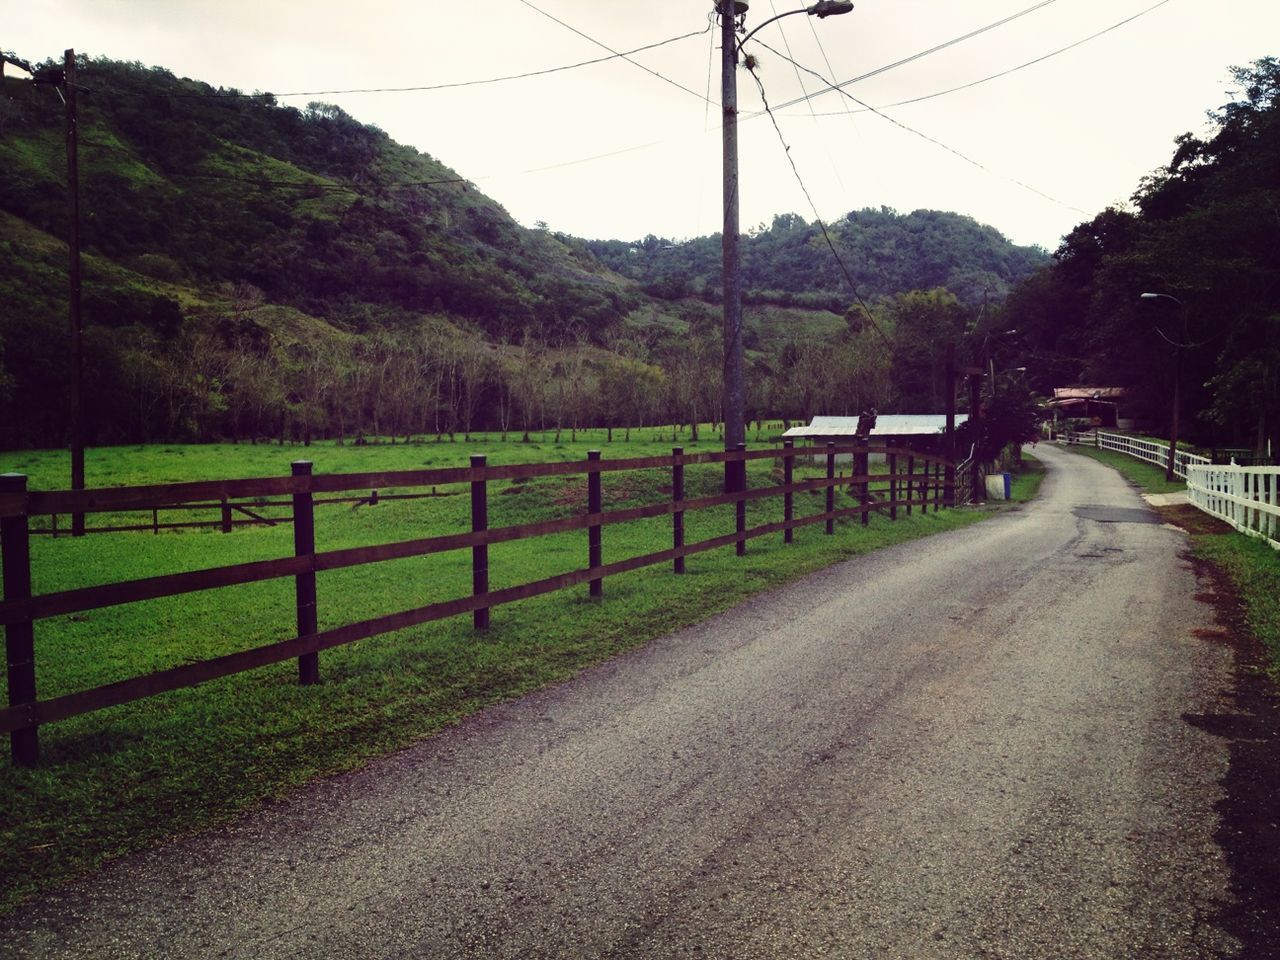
(230, 514)
(1245, 497)
(915, 480)
(1152, 451)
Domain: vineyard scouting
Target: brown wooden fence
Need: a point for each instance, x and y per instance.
(914, 479)
(241, 513)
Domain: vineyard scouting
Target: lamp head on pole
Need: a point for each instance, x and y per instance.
(830, 8)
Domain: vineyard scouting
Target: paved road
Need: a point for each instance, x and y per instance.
(968, 746)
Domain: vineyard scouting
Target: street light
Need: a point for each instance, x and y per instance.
(1177, 381)
(733, 15)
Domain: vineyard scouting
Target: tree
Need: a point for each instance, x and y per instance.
(923, 324)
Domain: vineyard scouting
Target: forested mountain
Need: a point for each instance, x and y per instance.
(254, 270)
(1205, 233)
(790, 263)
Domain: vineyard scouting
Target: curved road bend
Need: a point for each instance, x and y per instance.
(970, 745)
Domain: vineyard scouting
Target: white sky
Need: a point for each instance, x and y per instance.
(1083, 127)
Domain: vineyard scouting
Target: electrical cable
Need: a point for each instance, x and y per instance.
(711, 59)
(925, 136)
(835, 168)
(917, 56)
(614, 55)
(817, 216)
(1022, 66)
(626, 57)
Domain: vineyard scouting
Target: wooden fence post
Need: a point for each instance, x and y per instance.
(924, 485)
(595, 503)
(910, 482)
(677, 495)
(19, 637)
(740, 508)
(788, 498)
(480, 553)
(831, 487)
(304, 545)
(939, 481)
(893, 486)
(226, 505)
(863, 465)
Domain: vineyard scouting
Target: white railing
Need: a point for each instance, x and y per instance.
(963, 483)
(1248, 498)
(1152, 451)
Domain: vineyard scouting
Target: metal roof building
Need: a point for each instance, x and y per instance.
(887, 425)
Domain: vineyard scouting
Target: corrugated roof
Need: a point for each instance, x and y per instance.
(1088, 393)
(887, 424)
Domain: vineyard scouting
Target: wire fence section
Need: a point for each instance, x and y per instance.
(915, 479)
(1248, 498)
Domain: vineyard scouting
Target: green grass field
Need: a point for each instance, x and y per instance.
(128, 777)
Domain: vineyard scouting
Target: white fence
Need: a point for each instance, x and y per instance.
(1152, 451)
(1245, 497)
(1248, 498)
(963, 484)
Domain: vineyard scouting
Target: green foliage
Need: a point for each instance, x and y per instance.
(923, 324)
(255, 271)
(788, 263)
(1254, 570)
(1204, 231)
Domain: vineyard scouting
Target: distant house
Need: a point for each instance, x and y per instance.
(1102, 406)
(920, 431)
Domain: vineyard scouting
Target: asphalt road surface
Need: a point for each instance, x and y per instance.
(972, 745)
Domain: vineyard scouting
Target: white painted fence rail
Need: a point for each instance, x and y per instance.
(1152, 451)
(1248, 498)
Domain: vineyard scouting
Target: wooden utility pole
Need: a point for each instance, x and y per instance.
(950, 440)
(733, 398)
(975, 419)
(73, 273)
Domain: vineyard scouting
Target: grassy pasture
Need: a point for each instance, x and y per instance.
(128, 777)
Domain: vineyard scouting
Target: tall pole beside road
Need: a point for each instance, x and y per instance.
(1174, 417)
(73, 273)
(733, 396)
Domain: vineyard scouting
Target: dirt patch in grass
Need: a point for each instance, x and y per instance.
(1192, 519)
(1250, 723)
(619, 489)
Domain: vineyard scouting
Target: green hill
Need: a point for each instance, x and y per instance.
(255, 270)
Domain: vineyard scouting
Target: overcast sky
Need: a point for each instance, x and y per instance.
(610, 150)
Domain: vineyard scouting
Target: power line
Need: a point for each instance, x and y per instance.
(711, 57)
(925, 136)
(635, 63)
(915, 56)
(817, 216)
(614, 55)
(1022, 66)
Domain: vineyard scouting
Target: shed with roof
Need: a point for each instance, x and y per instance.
(920, 431)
